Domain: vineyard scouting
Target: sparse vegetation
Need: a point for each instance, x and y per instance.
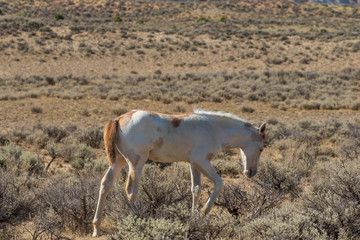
(295, 67)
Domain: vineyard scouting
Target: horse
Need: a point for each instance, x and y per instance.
(195, 138)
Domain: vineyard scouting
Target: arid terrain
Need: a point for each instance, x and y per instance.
(67, 67)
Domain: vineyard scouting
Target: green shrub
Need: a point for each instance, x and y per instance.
(4, 140)
(136, 228)
(310, 106)
(223, 19)
(56, 133)
(92, 137)
(286, 222)
(285, 178)
(54, 152)
(117, 19)
(202, 19)
(334, 202)
(32, 163)
(161, 188)
(69, 149)
(119, 111)
(59, 17)
(226, 167)
(84, 158)
(10, 158)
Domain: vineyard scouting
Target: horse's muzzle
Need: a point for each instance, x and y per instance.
(250, 173)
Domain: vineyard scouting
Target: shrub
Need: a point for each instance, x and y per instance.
(285, 179)
(10, 158)
(286, 222)
(176, 222)
(117, 19)
(59, 17)
(53, 151)
(36, 110)
(356, 106)
(92, 137)
(163, 187)
(275, 60)
(56, 133)
(334, 202)
(356, 47)
(119, 111)
(247, 109)
(222, 19)
(202, 19)
(16, 198)
(4, 140)
(32, 163)
(68, 150)
(73, 199)
(83, 158)
(226, 167)
(310, 106)
(46, 225)
(136, 228)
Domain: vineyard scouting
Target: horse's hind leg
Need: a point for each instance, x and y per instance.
(195, 186)
(105, 187)
(136, 165)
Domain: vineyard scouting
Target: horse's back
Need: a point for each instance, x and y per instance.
(167, 138)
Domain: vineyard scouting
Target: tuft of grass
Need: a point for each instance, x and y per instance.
(223, 19)
(246, 109)
(118, 19)
(59, 17)
(36, 110)
(202, 19)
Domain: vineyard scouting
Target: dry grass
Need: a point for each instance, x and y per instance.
(68, 67)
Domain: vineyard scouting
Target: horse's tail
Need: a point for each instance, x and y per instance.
(111, 137)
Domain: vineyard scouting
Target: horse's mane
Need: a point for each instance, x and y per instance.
(222, 114)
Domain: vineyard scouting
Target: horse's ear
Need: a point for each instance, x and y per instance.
(262, 129)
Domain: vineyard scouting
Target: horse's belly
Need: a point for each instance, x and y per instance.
(168, 156)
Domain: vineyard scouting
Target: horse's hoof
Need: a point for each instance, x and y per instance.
(96, 234)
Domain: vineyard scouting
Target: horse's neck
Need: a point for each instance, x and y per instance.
(234, 135)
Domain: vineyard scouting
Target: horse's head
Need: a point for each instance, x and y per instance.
(250, 152)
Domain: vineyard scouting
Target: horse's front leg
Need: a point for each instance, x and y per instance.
(195, 187)
(205, 168)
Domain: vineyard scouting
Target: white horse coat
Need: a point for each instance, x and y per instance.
(195, 138)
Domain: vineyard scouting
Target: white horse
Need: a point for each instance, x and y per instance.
(195, 138)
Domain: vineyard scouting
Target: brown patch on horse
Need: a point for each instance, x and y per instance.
(159, 142)
(110, 139)
(125, 118)
(210, 156)
(176, 119)
(176, 122)
(247, 124)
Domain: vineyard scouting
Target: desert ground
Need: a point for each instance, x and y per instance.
(68, 67)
